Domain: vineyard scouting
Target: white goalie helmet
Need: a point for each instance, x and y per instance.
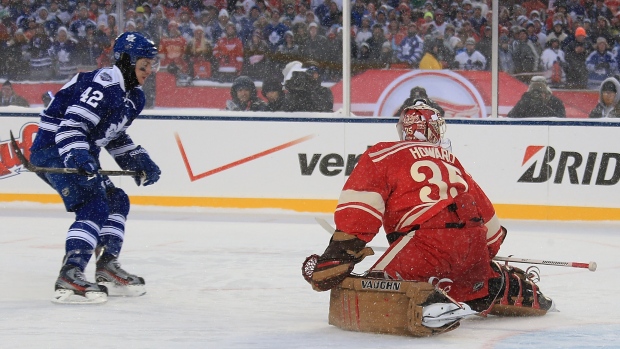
(421, 123)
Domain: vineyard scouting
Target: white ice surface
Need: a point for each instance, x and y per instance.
(231, 279)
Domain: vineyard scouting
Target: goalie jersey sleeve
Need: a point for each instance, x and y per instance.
(401, 185)
(91, 111)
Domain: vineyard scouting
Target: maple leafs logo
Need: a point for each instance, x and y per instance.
(131, 38)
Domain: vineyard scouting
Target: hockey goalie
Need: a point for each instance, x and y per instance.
(443, 235)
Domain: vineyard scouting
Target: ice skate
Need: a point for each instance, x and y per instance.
(73, 288)
(118, 282)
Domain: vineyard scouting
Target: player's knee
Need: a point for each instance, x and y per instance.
(118, 202)
(93, 210)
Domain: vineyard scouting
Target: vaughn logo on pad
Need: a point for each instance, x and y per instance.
(381, 285)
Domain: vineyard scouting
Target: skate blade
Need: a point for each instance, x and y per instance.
(69, 297)
(116, 290)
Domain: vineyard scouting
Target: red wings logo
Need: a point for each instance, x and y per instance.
(9, 164)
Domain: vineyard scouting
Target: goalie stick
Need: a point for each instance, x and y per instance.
(590, 266)
(32, 168)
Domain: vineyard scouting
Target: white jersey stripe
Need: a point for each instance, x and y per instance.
(394, 250)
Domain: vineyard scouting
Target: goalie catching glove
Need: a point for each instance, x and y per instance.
(336, 263)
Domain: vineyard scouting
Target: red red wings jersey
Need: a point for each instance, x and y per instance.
(402, 184)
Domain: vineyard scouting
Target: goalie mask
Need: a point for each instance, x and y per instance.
(421, 123)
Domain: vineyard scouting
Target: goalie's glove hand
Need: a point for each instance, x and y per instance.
(338, 260)
(81, 160)
(139, 160)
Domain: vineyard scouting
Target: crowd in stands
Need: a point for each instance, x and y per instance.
(572, 43)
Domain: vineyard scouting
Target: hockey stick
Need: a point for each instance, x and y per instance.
(32, 168)
(590, 266)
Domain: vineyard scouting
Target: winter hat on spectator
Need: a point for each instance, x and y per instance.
(312, 25)
(608, 86)
(140, 9)
(470, 41)
(534, 12)
(288, 32)
(428, 14)
(539, 84)
(454, 41)
(223, 13)
(580, 31)
(601, 39)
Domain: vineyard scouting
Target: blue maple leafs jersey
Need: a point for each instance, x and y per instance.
(91, 111)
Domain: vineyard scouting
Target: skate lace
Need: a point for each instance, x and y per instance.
(78, 275)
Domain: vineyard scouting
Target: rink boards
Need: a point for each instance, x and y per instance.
(533, 169)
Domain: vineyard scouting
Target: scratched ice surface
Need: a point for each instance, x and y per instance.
(231, 279)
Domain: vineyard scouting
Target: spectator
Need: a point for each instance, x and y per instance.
(157, 25)
(601, 28)
(323, 97)
(375, 43)
(553, 62)
(364, 32)
(18, 56)
(272, 91)
(186, 27)
(78, 26)
(244, 96)
(288, 51)
(256, 62)
(506, 64)
(608, 105)
(411, 48)
(484, 46)
(576, 54)
(470, 59)
(200, 54)
(65, 55)
(172, 51)
(50, 23)
(417, 93)
(314, 47)
(274, 32)
(41, 68)
(524, 55)
(229, 53)
(600, 10)
(430, 60)
(387, 57)
(601, 64)
(218, 30)
(538, 101)
(9, 97)
(298, 97)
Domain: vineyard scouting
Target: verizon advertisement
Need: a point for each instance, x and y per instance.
(283, 163)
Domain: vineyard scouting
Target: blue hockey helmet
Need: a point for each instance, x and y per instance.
(135, 45)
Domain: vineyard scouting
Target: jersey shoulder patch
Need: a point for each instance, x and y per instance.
(107, 77)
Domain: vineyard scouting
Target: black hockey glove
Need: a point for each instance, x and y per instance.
(338, 260)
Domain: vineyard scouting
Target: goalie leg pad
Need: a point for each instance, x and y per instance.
(392, 307)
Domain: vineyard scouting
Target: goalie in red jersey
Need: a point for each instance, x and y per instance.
(439, 223)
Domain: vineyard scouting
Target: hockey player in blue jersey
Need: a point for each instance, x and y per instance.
(91, 111)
